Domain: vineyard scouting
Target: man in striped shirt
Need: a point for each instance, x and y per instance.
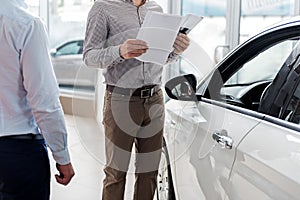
(133, 111)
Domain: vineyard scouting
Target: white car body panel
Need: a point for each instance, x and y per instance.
(70, 70)
(267, 167)
(195, 151)
(66, 68)
(257, 80)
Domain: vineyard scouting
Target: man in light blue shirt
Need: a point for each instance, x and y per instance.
(31, 115)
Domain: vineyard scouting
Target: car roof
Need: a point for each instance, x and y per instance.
(292, 21)
(69, 41)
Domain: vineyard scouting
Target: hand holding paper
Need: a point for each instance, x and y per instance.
(133, 48)
(181, 43)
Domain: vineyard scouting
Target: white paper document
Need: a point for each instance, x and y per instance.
(159, 31)
(188, 22)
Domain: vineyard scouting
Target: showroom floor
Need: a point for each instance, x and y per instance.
(86, 144)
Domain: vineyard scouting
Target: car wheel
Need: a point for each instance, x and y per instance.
(165, 189)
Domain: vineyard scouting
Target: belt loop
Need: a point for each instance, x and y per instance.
(131, 92)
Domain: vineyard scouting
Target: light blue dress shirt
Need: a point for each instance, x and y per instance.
(29, 94)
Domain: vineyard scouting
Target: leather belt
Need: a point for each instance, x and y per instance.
(142, 92)
(24, 137)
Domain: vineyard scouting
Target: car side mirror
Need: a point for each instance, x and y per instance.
(53, 52)
(182, 88)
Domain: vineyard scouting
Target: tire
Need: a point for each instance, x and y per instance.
(165, 188)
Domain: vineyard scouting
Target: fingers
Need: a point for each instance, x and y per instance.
(133, 48)
(181, 43)
(65, 175)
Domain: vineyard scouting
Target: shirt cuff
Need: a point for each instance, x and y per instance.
(173, 57)
(116, 55)
(62, 157)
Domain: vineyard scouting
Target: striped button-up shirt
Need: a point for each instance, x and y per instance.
(109, 24)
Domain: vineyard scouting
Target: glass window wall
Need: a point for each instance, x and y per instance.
(210, 32)
(33, 6)
(163, 4)
(259, 14)
(67, 20)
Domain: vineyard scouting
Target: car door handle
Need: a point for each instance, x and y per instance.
(173, 122)
(223, 139)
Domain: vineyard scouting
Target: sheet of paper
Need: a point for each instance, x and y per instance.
(159, 31)
(188, 22)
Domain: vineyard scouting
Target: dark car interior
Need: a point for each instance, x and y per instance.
(279, 97)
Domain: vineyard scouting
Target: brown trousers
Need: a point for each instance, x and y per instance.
(127, 121)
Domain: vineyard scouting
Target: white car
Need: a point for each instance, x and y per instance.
(236, 134)
(69, 67)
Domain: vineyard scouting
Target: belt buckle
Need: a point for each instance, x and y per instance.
(146, 93)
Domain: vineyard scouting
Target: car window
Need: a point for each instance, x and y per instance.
(264, 66)
(246, 87)
(70, 48)
(260, 69)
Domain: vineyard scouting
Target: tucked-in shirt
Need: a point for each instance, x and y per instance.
(29, 94)
(110, 23)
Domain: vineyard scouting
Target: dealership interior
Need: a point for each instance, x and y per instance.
(225, 25)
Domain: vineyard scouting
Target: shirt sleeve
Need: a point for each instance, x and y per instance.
(42, 90)
(173, 57)
(95, 54)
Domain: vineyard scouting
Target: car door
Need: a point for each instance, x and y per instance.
(204, 135)
(202, 164)
(267, 163)
(268, 159)
(67, 61)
